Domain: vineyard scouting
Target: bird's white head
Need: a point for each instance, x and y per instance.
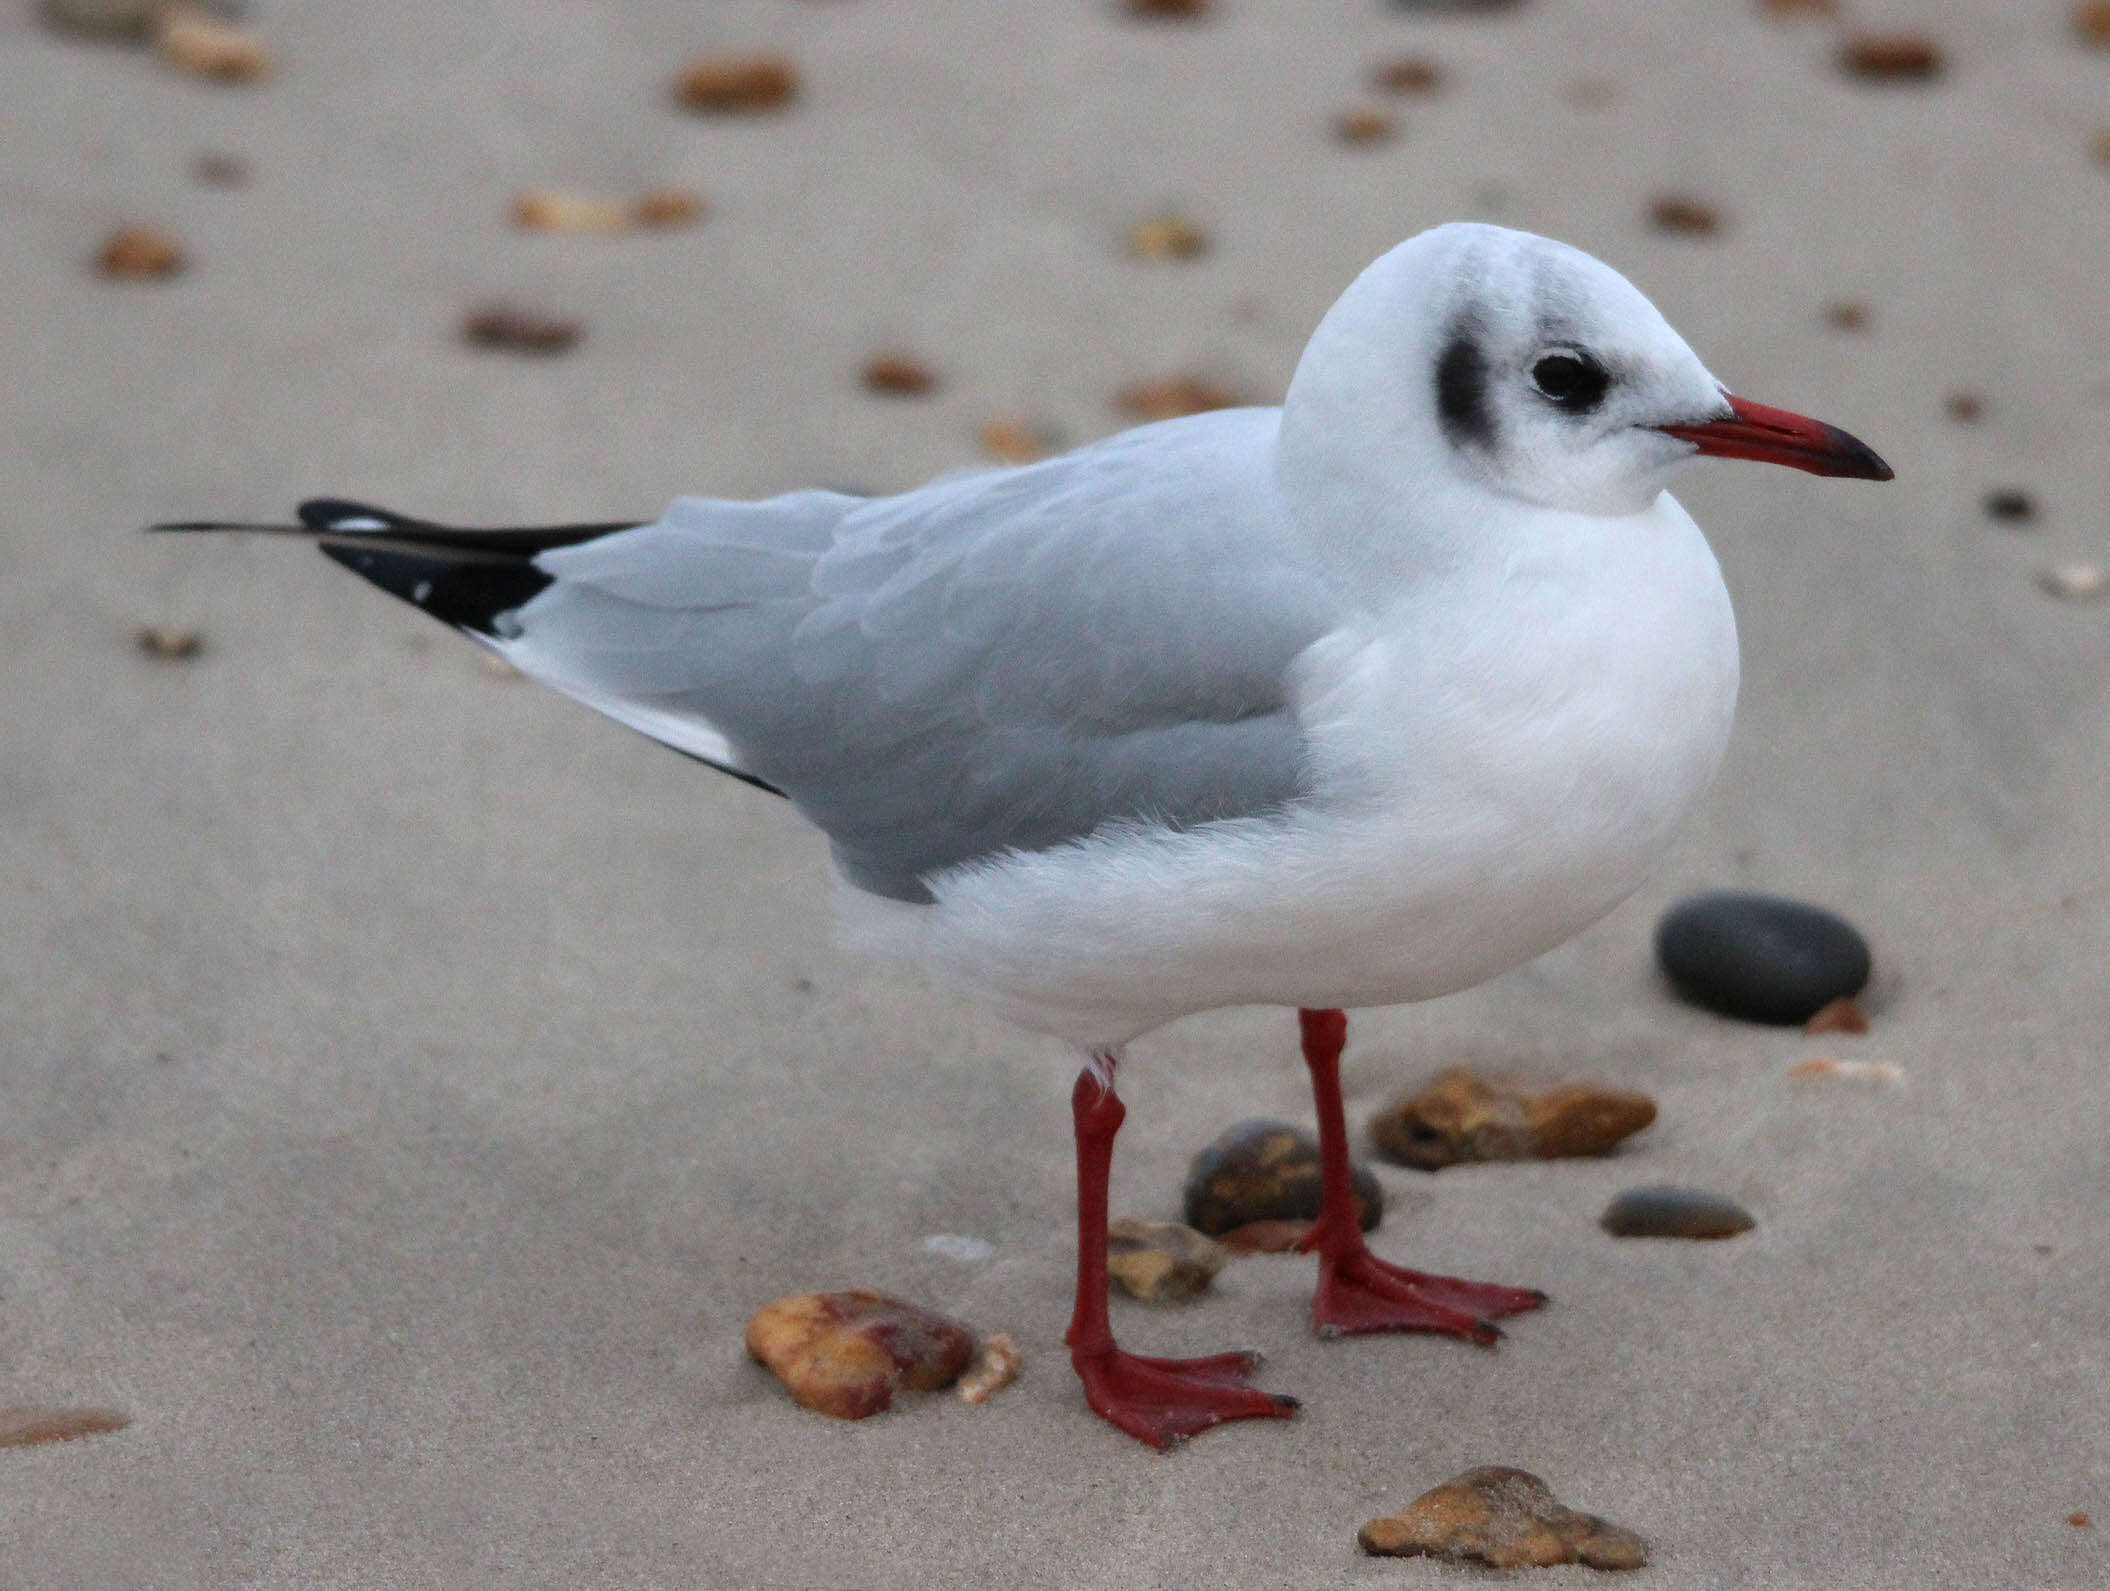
(1532, 370)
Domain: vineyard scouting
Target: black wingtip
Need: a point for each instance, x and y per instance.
(471, 595)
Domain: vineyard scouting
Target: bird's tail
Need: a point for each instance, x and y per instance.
(461, 577)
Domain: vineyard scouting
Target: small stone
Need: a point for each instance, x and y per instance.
(169, 641)
(1166, 237)
(669, 207)
(1362, 125)
(2009, 502)
(545, 210)
(1800, 8)
(1504, 1518)
(1461, 1116)
(1837, 1016)
(218, 170)
(519, 330)
(2075, 582)
(1012, 441)
(1661, 1210)
(201, 44)
(124, 19)
(1681, 213)
(1267, 1171)
(1846, 314)
(1891, 57)
(1161, 1262)
(1409, 74)
(1964, 406)
(995, 1368)
(1760, 957)
(27, 1424)
(1188, 9)
(737, 83)
(2079, 1521)
(958, 1247)
(899, 376)
(844, 1353)
(1169, 397)
(1824, 1066)
(2091, 20)
(1266, 1237)
(140, 254)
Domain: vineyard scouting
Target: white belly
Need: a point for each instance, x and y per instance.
(1482, 791)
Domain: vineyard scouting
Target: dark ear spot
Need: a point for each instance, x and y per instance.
(1461, 391)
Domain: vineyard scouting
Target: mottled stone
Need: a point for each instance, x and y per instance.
(845, 1353)
(995, 1368)
(1162, 1262)
(1267, 1171)
(1661, 1210)
(1760, 957)
(1462, 1116)
(1504, 1518)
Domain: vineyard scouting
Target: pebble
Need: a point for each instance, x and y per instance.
(1891, 57)
(2101, 147)
(1760, 957)
(123, 18)
(169, 641)
(2008, 502)
(1661, 1210)
(1267, 1171)
(958, 1247)
(217, 170)
(899, 375)
(1010, 440)
(1505, 1519)
(2079, 1521)
(1266, 1237)
(1964, 406)
(843, 1354)
(2091, 20)
(1837, 1016)
(1820, 1067)
(140, 253)
(668, 207)
(1846, 314)
(737, 84)
(2075, 582)
(1166, 237)
(1461, 1116)
(1409, 74)
(1800, 8)
(1162, 1262)
(547, 210)
(1677, 212)
(1362, 125)
(519, 330)
(27, 1424)
(205, 46)
(995, 1368)
(1189, 9)
(1169, 397)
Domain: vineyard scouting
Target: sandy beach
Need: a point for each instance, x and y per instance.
(412, 1082)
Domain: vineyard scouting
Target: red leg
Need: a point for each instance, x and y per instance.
(1357, 1291)
(1159, 1401)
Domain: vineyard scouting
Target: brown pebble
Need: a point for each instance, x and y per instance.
(899, 375)
(207, 47)
(139, 254)
(1846, 314)
(1166, 237)
(995, 1368)
(1462, 1116)
(1504, 1518)
(1676, 212)
(1266, 1237)
(737, 83)
(218, 170)
(1362, 125)
(1800, 8)
(669, 207)
(1661, 1210)
(1837, 1016)
(1964, 406)
(844, 1353)
(2079, 1521)
(26, 1424)
(1169, 397)
(1013, 441)
(1891, 57)
(2091, 20)
(161, 640)
(520, 330)
(1409, 74)
(1161, 1262)
(1267, 1171)
(1168, 8)
(545, 210)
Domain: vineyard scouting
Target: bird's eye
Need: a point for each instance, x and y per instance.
(1574, 381)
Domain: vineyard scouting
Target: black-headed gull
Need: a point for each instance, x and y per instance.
(1354, 701)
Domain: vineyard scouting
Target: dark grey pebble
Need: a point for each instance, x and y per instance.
(1267, 1171)
(1661, 1210)
(2008, 502)
(1760, 957)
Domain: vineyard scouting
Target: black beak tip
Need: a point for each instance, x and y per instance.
(1858, 461)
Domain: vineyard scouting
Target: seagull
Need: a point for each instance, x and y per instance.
(1356, 701)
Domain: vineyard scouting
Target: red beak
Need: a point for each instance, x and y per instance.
(1774, 436)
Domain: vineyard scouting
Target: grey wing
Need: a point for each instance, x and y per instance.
(995, 662)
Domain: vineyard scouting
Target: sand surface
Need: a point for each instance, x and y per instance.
(410, 1083)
